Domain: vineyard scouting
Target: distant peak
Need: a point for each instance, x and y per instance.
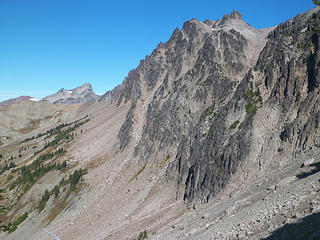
(80, 94)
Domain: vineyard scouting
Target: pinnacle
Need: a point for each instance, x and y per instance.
(234, 15)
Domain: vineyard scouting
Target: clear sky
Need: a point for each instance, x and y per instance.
(46, 45)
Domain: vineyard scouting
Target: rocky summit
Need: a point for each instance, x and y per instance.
(80, 94)
(213, 136)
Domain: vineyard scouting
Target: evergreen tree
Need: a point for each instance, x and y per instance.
(56, 191)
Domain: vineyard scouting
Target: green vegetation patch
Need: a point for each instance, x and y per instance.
(42, 204)
(209, 111)
(12, 226)
(24, 177)
(73, 180)
(253, 98)
(143, 235)
(31, 173)
(251, 108)
(58, 129)
(234, 125)
(7, 167)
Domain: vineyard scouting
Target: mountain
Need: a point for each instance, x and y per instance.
(188, 89)
(225, 104)
(214, 135)
(80, 94)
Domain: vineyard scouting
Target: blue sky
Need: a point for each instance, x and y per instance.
(46, 45)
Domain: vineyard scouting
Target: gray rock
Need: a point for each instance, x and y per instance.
(308, 162)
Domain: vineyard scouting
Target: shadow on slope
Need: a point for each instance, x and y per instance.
(315, 169)
(306, 229)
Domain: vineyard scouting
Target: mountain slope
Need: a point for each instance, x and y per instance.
(214, 135)
(200, 67)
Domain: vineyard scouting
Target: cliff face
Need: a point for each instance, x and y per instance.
(289, 65)
(223, 96)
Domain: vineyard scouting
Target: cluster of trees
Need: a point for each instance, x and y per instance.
(57, 139)
(42, 204)
(22, 149)
(56, 130)
(49, 155)
(73, 180)
(30, 177)
(317, 2)
(12, 226)
(28, 139)
(143, 235)
(60, 135)
(65, 134)
(31, 173)
(7, 167)
(56, 191)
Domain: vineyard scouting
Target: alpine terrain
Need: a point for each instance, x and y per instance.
(215, 135)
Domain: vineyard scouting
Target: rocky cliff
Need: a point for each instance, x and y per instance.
(221, 98)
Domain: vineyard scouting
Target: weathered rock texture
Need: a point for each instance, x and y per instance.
(222, 96)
